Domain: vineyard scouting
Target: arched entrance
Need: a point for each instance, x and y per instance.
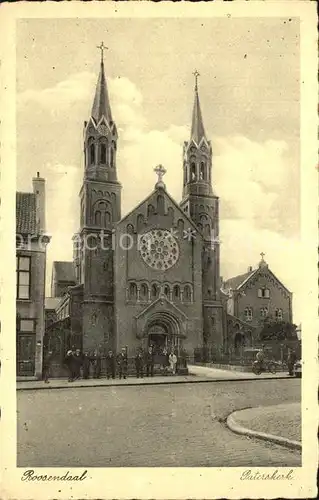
(163, 332)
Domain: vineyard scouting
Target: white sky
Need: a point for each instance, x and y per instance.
(249, 92)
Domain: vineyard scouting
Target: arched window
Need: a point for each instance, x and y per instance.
(248, 314)
(102, 153)
(263, 312)
(166, 291)
(107, 218)
(160, 204)
(154, 291)
(144, 292)
(176, 292)
(187, 293)
(97, 218)
(202, 171)
(114, 145)
(92, 154)
(193, 172)
(132, 291)
(112, 157)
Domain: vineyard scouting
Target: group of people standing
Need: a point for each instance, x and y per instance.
(77, 362)
(85, 364)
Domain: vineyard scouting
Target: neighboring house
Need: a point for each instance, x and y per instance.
(63, 276)
(31, 244)
(256, 295)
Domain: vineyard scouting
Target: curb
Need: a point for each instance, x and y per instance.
(238, 429)
(130, 384)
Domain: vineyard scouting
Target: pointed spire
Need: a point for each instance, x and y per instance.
(101, 105)
(198, 131)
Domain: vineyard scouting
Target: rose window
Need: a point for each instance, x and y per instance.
(159, 249)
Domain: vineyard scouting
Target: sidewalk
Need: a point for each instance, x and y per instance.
(196, 374)
(280, 424)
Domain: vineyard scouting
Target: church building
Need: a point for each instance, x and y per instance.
(152, 275)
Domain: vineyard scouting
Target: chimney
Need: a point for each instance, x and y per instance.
(39, 191)
(250, 269)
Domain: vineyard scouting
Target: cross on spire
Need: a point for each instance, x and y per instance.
(196, 75)
(160, 171)
(262, 254)
(102, 48)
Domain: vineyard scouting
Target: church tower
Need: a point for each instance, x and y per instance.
(100, 199)
(202, 206)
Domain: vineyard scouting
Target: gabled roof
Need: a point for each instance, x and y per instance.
(26, 213)
(237, 281)
(165, 193)
(64, 271)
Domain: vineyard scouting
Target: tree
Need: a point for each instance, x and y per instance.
(278, 330)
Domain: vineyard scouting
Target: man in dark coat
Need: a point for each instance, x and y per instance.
(291, 360)
(96, 361)
(150, 362)
(86, 365)
(78, 359)
(122, 363)
(139, 364)
(110, 365)
(46, 366)
(69, 362)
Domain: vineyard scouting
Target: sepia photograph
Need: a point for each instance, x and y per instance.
(159, 285)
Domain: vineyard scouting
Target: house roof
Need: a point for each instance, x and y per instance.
(236, 282)
(26, 213)
(51, 302)
(64, 271)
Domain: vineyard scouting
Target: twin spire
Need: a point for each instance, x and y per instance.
(101, 105)
(198, 131)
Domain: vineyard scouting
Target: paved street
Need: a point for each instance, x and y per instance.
(163, 425)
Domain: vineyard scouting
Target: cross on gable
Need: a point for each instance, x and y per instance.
(262, 255)
(160, 171)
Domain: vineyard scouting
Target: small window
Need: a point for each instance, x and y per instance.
(187, 293)
(278, 314)
(112, 157)
(144, 292)
(92, 154)
(23, 277)
(98, 218)
(176, 292)
(263, 293)
(103, 153)
(193, 172)
(154, 291)
(132, 291)
(248, 314)
(202, 171)
(263, 312)
(27, 325)
(166, 291)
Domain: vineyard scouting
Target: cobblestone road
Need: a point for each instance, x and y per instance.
(157, 426)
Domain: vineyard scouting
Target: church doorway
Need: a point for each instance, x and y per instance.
(158, 338)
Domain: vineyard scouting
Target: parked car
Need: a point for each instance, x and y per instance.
(297, 370)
